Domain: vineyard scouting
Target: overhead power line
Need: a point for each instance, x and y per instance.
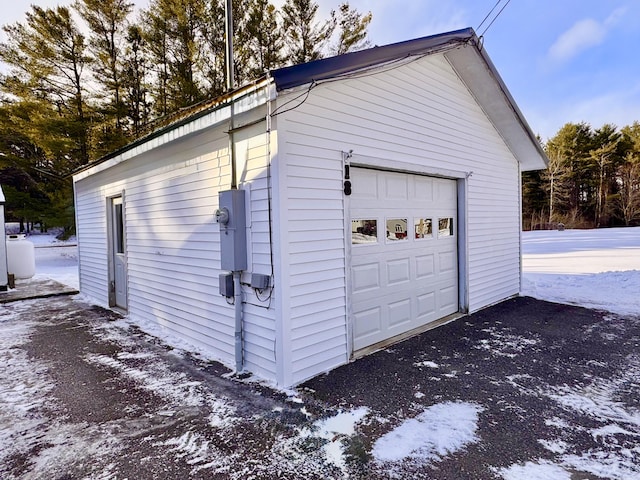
(494, 18)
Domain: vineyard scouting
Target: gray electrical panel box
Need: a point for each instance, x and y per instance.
(225, 280)
(231, 216)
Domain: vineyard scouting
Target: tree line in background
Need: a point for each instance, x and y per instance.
(592, 181)
(84, 80)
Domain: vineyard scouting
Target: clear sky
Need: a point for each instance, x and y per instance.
(563, 60)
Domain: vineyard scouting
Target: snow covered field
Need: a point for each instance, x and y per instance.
(592, 268)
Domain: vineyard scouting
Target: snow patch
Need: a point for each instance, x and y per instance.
(24, 385)
(154, 376)
(439, 430)
(335, 430)
(426, 363)
(539, 470)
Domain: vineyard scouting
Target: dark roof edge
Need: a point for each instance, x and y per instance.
(190, 114)
(296, 75)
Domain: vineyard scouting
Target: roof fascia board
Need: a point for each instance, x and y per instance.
(243, 100)
(326, 68)
(476, 70)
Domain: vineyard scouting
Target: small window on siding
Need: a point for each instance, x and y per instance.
(364, 231)
(445, 227)
(396, 229)
(119, 230)
(423, 227)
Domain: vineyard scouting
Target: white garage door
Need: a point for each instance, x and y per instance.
(404, 260)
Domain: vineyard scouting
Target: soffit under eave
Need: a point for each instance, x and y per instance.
(481, 78)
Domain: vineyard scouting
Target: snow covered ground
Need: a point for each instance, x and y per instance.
(55, 259)
(593, 268)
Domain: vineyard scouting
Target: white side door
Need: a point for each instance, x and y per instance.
(118, 274)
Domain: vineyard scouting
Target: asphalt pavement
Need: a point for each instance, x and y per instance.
(87, 395)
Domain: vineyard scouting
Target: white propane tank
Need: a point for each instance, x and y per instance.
(21, 260)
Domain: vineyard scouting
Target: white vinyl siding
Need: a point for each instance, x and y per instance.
(172, 243)
(313, 268)
(416, 115)
(252, 157)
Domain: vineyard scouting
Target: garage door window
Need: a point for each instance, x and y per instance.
(364, 231)
(445, 227)
(423, 227)
(396, 229)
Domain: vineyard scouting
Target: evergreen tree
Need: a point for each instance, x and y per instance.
(264, 38)
(569, 176)
(605, 157)
(47, 58)
(107, 22)
(627, 198)
(304, 37)
(156, 40)
(352, 30)
(242, 51)
(134, 81)
(174, 35)
(214, 37)
(33, 191)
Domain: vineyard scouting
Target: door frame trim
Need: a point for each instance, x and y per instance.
(111, 294)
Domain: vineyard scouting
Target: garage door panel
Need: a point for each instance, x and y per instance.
(423, 189)
(426, 305)
(448, 300)
(447, 190)
(425, 266)
(447, 262)
(365, 185)
(399, 313)
(367, 323)
(365, 277)
(396, 187)
(404, 274)
(398, 271)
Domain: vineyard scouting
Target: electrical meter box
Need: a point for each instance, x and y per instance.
(232, 218)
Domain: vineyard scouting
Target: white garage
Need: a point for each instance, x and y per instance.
(319, 213)
(404, 255)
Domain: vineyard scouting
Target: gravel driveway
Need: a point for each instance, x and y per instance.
(524, 389)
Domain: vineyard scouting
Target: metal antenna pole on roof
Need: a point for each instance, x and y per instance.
(229, 43)
(230, 85)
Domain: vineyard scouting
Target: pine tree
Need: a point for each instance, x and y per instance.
(264, 38)
(174, 35)
(107, 22)
(303, 36)
(214, 40)
(185, 19)
(627, 198)
(134, 82)
(605, 157)
(47, 57)
(352, 30)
